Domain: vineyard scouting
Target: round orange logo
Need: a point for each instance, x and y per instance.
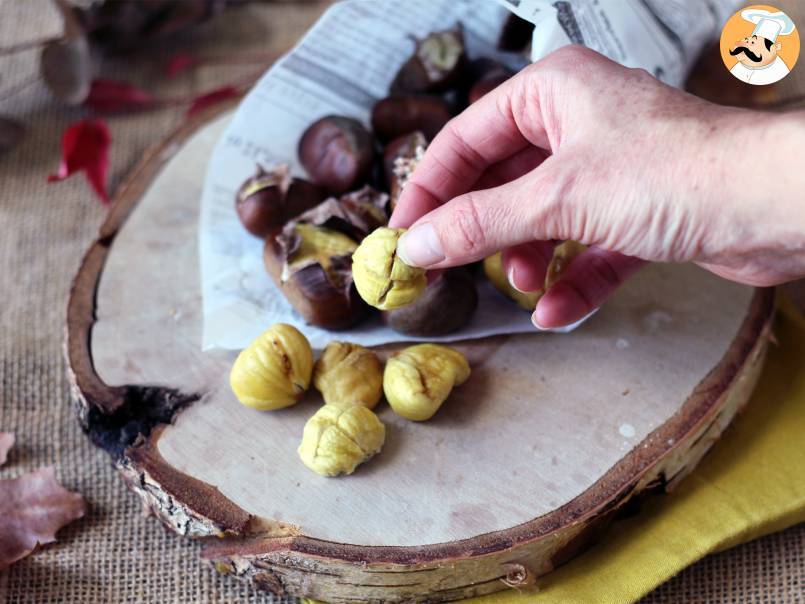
(760, 44)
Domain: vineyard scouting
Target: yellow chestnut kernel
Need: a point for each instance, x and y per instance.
(348, 373)
(381, 278)
(493, 268)
(417, 380)
(563, 255)
(317, 245)
(274, 370)
(338, 438)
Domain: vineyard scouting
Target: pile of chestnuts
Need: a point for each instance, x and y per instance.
(312, 227)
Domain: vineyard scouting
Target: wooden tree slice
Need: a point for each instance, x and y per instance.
(518, 471)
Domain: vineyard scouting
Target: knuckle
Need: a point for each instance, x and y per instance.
(568, 57)
(589, 303)
(473, 161)
(603, 272)
(465, 232)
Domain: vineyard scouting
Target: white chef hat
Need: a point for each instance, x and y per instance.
(768, 25)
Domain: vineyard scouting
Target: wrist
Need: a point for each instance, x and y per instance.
(756, 191)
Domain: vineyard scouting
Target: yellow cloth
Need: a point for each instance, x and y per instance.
(750, 484)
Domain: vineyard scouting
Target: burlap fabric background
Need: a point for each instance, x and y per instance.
(116, 554)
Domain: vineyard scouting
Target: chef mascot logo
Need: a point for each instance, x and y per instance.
(760, 45)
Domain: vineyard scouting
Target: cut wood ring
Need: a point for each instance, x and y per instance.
(132, 421)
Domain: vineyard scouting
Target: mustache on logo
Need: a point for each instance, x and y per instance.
(743, 49)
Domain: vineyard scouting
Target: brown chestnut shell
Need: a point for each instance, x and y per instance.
(436, 64)
(337, 152)
(302, 195)
(402, 146)
(260, 200)
(356, 214)
(312, 292)
(447, 305)
(397, 116)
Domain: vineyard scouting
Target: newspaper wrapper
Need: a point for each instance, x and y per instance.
(344, 65)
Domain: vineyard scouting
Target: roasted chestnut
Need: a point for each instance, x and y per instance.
(402, 146)
(310, 260)
(269, 198)
(396, 116)
(485, 85)
(402, 156)
(337, 153)
(313, 268)
(435, 65)
(301, 196)
(260, 201)
(447, 305)
(355, 214)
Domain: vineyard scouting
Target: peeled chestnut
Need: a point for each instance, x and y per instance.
(395, 116)
(337, 153)
(269, 198)
(447, 305)
(436, 64)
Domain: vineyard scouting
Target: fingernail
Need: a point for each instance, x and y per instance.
(420, 247)
(536, 323)
(511, 280)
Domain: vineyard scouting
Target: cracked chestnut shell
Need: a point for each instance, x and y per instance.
(400, 158)
(402, 146)
(396, 116)
(435, 65)
(337, 152)
(260, 201)
(312, 267)
(270, 197)
(447, 305)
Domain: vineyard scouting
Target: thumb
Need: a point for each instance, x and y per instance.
(477, 224)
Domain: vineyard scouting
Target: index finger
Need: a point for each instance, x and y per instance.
(482, 135)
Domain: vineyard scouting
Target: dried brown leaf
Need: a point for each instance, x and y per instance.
(32, 508)
(65, 67)
(6, 442)
(11, 133)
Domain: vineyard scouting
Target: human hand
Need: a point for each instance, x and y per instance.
(578, 147)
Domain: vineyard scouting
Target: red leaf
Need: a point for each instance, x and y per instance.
(85, 146)
(33, 507)
(200, 103)
(6, 442)
(112, 96)
(179, 63)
